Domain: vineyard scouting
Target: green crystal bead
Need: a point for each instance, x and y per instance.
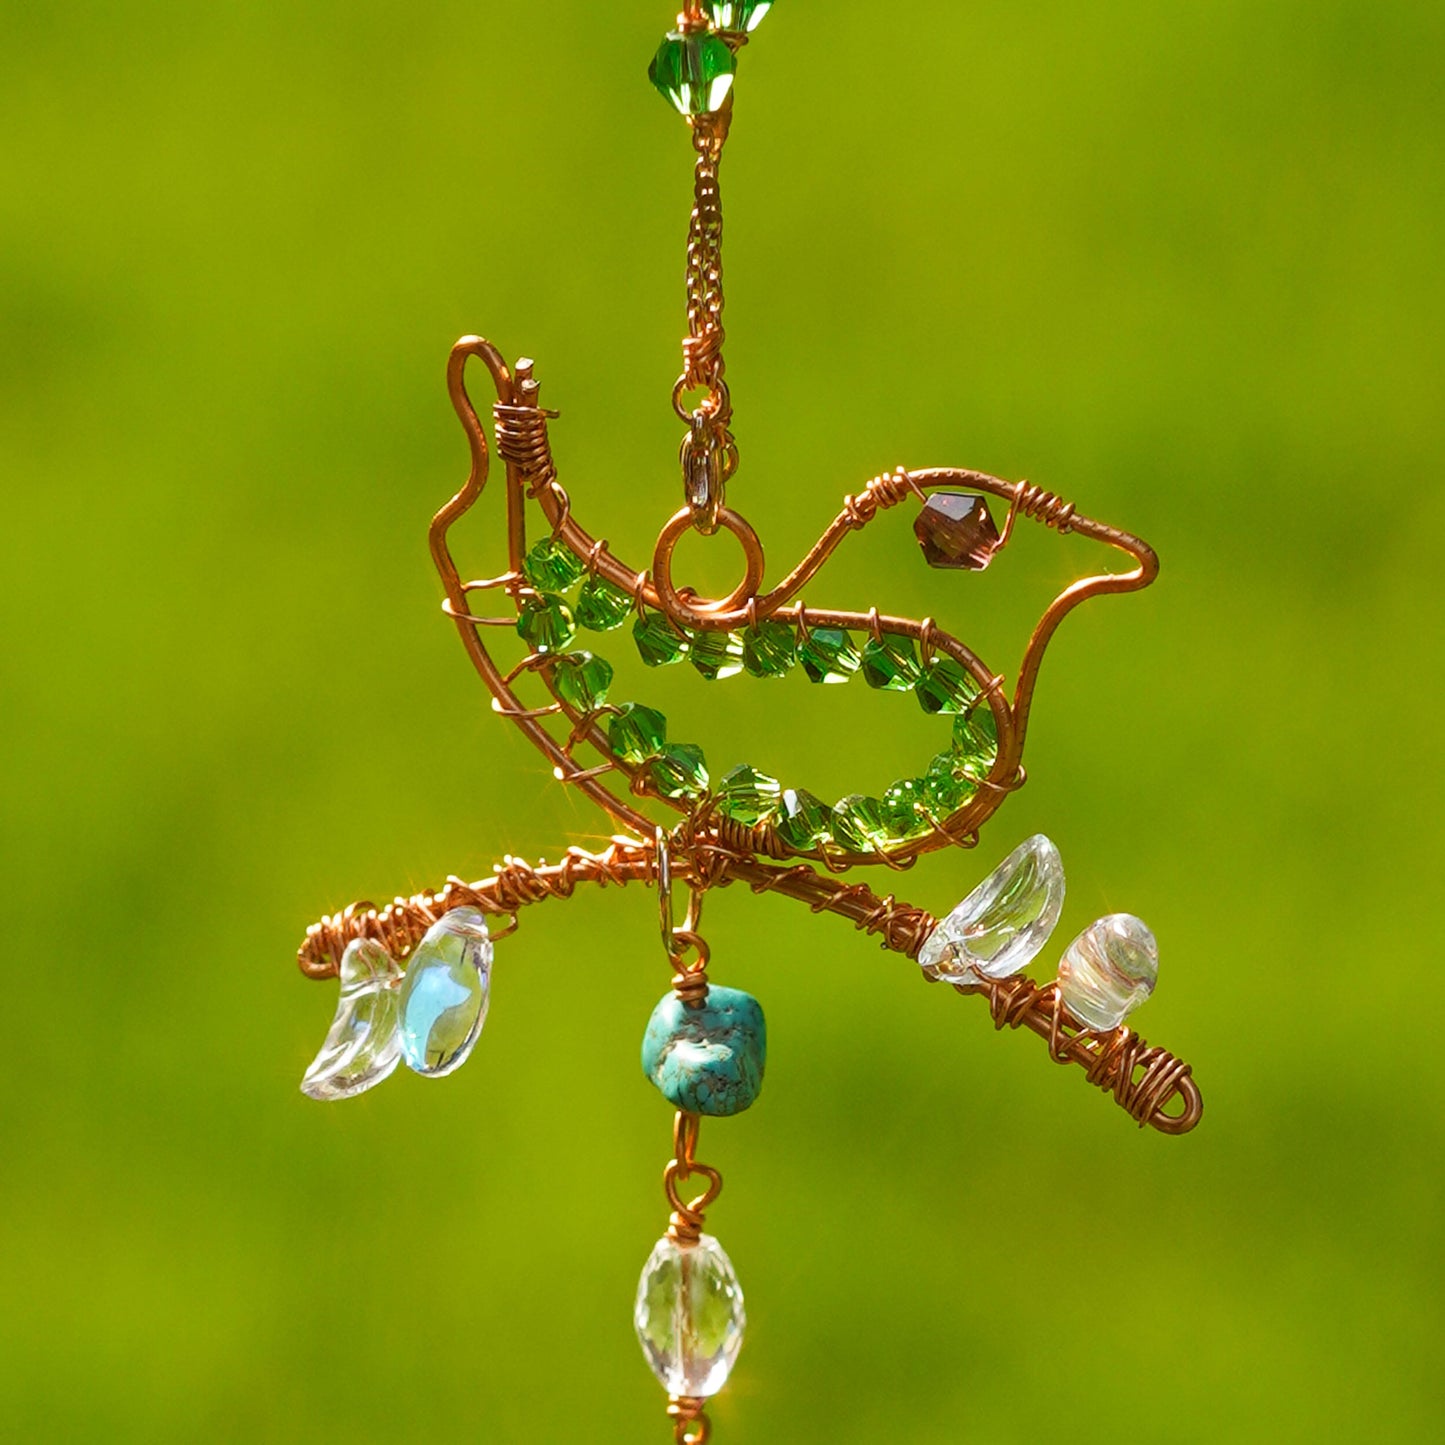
(946, 686)
(858, 824)
(946, 787)
(803, 820)
(601, 607)
(550, 567)
(680, 771)
(770, 649)
(659, 643)
(582, 679)
(695, 72)
(546, 624)
(891, 663)
(905, 810)
(717, 655)
(636, 733)
(749, 797)
(828, 655)
(735, 15)
(975, 741)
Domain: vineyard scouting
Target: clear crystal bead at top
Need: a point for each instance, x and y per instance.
(689, 1316)
(445, 994)
(362, 1046)
(1108, 971)
(1001, 926)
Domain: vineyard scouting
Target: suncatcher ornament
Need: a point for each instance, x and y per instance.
(416, 975)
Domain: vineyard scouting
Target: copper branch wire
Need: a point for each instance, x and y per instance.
(1164, 1095)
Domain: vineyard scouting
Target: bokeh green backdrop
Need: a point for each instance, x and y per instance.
(1178, 262)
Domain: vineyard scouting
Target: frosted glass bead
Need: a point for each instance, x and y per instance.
(362, 1046)
(689, 1316)
(1108, 971)
(445, 995)
(1000, 927)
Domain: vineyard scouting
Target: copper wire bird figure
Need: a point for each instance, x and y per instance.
(672, 823)
(708, 848)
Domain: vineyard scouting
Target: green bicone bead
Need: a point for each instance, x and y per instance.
(975, 741)
(707, 1059)
(636, 733)
(828, 655)
(695, 72)
(717, 655)
(946, 787)
(601, 607)
(803, 820)
(905, 810)
(550, 567)
(858, 824)
(749, 797)
(659, 643)
(946, 686)
(891, 664)
(770, 649)
(735, 15)
(582, 680)
(680, 771)
(546, 624)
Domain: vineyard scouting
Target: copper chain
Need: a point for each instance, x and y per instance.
(709, 454)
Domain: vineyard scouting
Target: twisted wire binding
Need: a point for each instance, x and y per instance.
(515, 884)
(1143, 1079)
(691, 1425)
(741, 838)
(882, 492)
(1041, 506)
(523, 440)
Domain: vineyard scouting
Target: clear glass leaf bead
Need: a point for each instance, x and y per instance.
(362, 1046)
(1001, 926)
(689, 1316)
(445, 994)
(1108, 971)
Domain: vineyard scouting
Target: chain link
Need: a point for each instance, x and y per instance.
(709, 455)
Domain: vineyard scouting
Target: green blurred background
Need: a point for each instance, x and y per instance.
(1180, 263)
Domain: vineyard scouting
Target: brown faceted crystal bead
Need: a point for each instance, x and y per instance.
(955, 529)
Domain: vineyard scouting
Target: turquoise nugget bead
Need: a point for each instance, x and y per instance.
(707, 1060)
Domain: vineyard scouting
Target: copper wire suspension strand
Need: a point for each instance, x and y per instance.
(688, 1216)
(1150, 1084)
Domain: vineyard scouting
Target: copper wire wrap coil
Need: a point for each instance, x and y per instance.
(690, 1423)
(1150, 1084)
